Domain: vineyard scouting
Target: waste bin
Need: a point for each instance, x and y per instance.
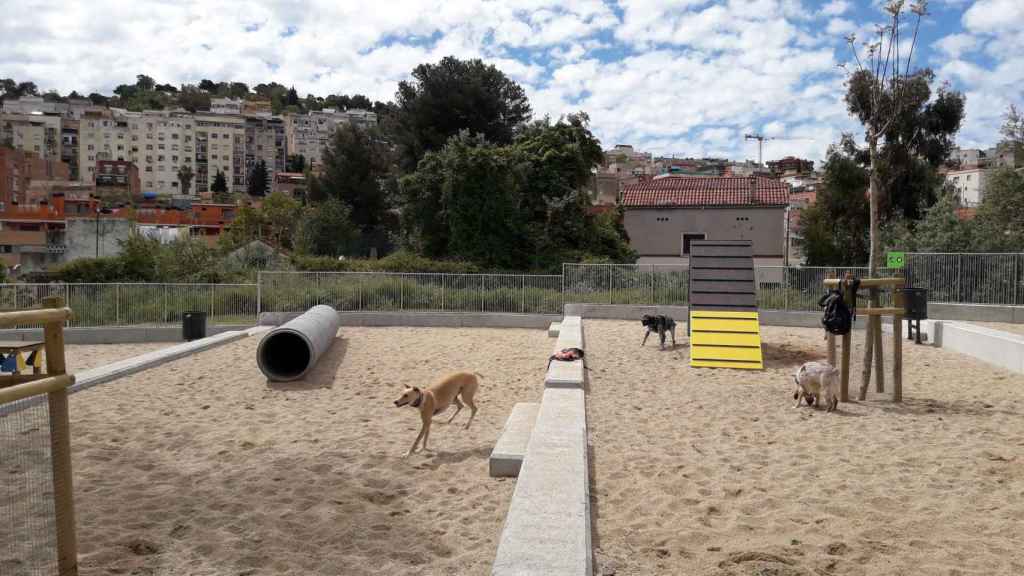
(915, 307)
(915, 303)
(193, 326)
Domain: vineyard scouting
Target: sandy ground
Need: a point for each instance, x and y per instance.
(1004, 326)
(699, 471)
(80, 357)
(199, 467)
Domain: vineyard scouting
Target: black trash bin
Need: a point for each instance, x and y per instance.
(915, 306)
(193, 326)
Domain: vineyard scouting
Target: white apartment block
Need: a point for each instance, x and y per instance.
(265, 140)
(220, 147)
(72, 109)
(101, 136)
(226, 106)
(968, 185)
(32, 133)
(310, 134)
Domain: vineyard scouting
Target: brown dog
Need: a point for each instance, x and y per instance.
(437, 398)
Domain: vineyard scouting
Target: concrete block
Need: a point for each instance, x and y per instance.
(547, 529)
(553, 330)
(976, 312)
(995, 347)
(510, 449)
(565, 374)
(929, 331)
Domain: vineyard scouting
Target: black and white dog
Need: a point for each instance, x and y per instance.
(659, 324)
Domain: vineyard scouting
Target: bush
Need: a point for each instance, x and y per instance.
(397, 262)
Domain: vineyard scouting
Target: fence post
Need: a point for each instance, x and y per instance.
(1014, 283)
(563, 287)
(524, 294)
(401, 291)
(259, 295)
(785, 288)
(117, 304)
(165, 320)
(610, 297)
(483, 287)
(213, 294)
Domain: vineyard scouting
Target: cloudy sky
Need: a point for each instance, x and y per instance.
(682, 77)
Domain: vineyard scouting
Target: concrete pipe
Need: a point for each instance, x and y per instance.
(290, 350)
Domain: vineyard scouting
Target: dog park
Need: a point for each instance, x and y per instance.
(627, 461)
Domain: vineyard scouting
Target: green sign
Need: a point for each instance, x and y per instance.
(895, 260)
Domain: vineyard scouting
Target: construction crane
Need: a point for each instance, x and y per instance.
(760, 143)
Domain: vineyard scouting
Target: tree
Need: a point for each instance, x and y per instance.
(207, 85)
(876, 97)
(280, 215)
(1000, 218)
(258, 179)
(193, 98)
(941, 229)
(296, 163)
(355, 169)
(220, 188)
(292, 99)
(144, 83)
(833, 231)
(453, 95)
(247, 226)
(185, 176)
(1013, 128)
(325, 229)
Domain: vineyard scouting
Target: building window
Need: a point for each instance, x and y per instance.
(174, 136)
(174, 158)
(149, 168)
(687, 238)
(160, 158)
(91, 147)
(160, 146)
(149, 146)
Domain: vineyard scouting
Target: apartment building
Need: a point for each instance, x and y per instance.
(69, 145)
(32, 133)
(23, 173)
(102, 135)
(265, 140)
(162, 144)
(309, 134)
(73, 108)
(226, 106)
(968, 185)
(219, 147)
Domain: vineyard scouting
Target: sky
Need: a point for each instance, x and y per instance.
(673, 77)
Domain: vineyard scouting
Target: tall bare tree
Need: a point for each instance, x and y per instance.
(877, 91)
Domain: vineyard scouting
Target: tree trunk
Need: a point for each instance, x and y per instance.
(873, 256)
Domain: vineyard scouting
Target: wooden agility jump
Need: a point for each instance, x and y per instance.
(873, 333)
(54, 383)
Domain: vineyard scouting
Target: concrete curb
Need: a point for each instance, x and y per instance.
(116, 334)
(567, 374)
(102, 374)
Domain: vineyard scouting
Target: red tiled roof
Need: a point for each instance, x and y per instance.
(706, 191)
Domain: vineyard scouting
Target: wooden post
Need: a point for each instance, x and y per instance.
(831, 349)
(897, 346)
(879, 357)
(844, 389)
(60, 448)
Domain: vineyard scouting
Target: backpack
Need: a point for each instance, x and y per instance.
(566, 355)
(837, 318)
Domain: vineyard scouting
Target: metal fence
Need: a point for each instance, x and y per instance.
(380, 291)
(950, 278)
(778, 287)
(140, 304)
(968, 278)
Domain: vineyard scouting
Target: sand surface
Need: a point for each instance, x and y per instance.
(1004, 326)
(198, 467)
(713, 472)
(80, 357)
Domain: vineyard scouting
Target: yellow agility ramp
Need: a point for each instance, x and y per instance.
(725, 339)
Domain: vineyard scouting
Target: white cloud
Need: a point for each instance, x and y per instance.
(669, 76)
(835, 8)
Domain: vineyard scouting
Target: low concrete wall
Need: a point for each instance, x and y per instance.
(547, 529)
(115, 334)
(432, 319)
(562, 374)
(976, 312)
(999, 348)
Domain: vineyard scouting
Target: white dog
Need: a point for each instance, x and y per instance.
(815, 379)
